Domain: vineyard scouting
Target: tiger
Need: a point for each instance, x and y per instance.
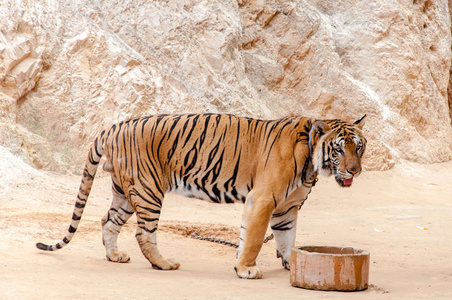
(269, 165)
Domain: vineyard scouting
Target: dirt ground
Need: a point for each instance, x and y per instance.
(402, 217)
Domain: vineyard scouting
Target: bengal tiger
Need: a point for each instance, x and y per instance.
(269, 165)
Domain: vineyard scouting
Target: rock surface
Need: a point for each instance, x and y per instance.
(68, 69)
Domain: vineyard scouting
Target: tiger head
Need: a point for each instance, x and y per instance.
(337, 148)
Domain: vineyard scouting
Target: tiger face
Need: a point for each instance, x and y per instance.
(339, 150)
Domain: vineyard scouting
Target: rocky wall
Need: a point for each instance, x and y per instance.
(70, 68)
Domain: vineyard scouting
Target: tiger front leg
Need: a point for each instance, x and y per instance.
(256, 218)
(284, 225)
(146, 236)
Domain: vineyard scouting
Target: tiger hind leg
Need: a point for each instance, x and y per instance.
(146, 234)
(118, 214)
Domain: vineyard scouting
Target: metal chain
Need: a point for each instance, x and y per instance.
(224, 242)
(215, 240)
(270, 237)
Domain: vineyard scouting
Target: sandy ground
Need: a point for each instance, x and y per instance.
(402, 217)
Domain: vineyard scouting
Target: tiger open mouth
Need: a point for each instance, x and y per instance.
(344, 182)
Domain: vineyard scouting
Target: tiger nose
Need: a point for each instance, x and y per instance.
(353, 171)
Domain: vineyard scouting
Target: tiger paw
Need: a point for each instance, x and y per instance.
(169, 264)
(284, 261)
(248, 272)
(285, 264)
(120, 257)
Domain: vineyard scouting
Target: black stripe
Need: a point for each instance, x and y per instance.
(282, 226)
(87, 175)
(304, 172)
(118, 189)
(234, 193)
(283, 213)
(149, 219)
(227, 199)
(173, 148)
(79, 204)
(202, 137)
(216, 169)
(217, 192)
(150, 231)
(213, 152)
(154, 211)
(127, 212)
(96, 142)
(194, 122)
(233, 178)
(193, 153)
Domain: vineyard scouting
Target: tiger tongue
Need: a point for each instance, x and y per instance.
(348, 181)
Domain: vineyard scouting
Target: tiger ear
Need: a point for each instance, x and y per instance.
(318, 129)
(360, 123)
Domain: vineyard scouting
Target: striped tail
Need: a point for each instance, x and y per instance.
(95, 154)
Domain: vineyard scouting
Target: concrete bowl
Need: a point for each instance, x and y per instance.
(329, 268)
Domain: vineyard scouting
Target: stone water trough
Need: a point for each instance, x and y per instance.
(329, 268)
